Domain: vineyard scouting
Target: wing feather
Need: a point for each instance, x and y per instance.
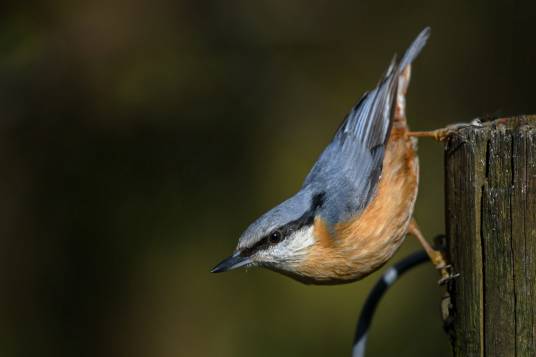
(351, 164)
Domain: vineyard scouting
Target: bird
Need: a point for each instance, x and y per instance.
(355, 206)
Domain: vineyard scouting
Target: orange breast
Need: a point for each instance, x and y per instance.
(365, 242)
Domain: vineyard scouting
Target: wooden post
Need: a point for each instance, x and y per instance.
(490, 183)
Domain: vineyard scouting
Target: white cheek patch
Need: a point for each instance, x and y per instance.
(296, 245)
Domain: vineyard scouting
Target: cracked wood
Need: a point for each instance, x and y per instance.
(490, 182)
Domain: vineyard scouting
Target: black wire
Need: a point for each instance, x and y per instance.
(382, 285)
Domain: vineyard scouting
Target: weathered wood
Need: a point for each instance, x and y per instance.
(490, 183)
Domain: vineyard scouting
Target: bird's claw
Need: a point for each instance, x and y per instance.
(443, 266)
(450, 129)
(445, 269)
(447, 274)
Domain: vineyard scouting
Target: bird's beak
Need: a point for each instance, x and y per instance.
(233, 262)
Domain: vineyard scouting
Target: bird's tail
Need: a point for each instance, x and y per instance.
(404, 70)
(413, 51)
(370, 121)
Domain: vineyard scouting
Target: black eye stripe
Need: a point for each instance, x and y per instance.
(317, 201)
(306, 219)
(260, 245)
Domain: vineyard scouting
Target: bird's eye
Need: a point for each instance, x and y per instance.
(275, 237)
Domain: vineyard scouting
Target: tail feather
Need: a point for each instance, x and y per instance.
(399, 117)
(416, 47)
(370, 120)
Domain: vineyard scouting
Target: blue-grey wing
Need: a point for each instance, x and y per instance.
(350, 166)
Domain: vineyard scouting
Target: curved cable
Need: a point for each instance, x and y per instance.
(386, 281)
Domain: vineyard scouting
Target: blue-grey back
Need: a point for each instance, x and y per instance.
(350, 167)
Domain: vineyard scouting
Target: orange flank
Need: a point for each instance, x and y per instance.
(362, 244)
(322, 233)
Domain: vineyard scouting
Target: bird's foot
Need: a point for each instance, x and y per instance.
(447, 274)
(438, 259)
(443, 133)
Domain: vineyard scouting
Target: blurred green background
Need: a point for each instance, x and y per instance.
(139, 138)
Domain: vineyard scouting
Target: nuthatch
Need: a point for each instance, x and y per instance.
(356, 204)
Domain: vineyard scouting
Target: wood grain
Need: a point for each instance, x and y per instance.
(490, 187)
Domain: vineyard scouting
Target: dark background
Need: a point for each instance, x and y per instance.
(139, 138)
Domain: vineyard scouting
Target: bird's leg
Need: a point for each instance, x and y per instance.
(437, 135)
(436, 256)
(442, 133)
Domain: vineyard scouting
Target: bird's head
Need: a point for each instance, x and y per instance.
(281, 238)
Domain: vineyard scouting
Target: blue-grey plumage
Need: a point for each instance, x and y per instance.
(340, 185)
(351, 164)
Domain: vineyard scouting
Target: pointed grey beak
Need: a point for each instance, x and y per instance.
(233, 262)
